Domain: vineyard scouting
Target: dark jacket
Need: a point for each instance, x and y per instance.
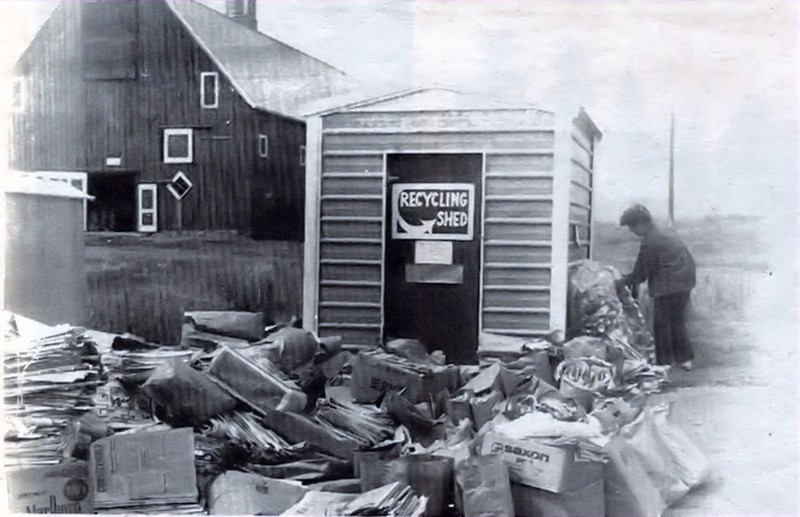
(665, 262)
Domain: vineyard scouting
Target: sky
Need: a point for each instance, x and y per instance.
(726, 70)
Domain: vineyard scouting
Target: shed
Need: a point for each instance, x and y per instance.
(437, 215)
(45, 275)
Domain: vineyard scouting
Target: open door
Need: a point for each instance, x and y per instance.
(147, 208)
(432, 261)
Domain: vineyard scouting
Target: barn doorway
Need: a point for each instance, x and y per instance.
(114, 205)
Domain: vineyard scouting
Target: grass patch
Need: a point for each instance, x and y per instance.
(144, 284)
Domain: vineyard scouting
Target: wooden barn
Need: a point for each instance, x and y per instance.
(436, 215)
(182, 117)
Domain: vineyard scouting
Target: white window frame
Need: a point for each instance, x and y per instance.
(23, 94)
(203, 76)
(146, 228)
(184, 132)
(263, 145)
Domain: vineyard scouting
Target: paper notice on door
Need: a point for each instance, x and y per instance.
(433, 252)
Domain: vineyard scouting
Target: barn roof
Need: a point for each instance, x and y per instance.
(267, 73)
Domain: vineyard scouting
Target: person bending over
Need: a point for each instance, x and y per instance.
(665, 263)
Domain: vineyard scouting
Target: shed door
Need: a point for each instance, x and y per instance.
(432, 254)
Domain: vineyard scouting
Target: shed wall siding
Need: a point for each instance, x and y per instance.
(518, 187)
(517, 242)
(581, 194)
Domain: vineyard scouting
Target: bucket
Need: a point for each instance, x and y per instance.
(428, 475)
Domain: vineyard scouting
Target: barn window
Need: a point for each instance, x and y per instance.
(302, 156)
(209, 90)
(18, 94)
(263, 146)
(178, 146)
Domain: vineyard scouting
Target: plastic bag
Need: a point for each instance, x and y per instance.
(672, 460)
(484, 487)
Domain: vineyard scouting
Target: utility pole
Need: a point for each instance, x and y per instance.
(672, 169)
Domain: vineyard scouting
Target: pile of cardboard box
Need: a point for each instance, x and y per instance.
(239, 419)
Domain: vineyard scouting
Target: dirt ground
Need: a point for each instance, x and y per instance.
(740, 402)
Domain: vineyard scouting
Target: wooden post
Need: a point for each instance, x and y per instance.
(312, 223)
(562, 172)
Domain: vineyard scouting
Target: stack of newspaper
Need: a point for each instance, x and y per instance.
(133, 367)
(49, 374)
(393, 499)
(149, 472)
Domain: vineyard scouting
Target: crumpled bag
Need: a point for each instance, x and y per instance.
(294, 346)
(243, 325)
(484, 487)
(672, 460)
(184, 396)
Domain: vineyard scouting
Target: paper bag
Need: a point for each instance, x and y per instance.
(672, 460)
(184, 396)
(628, 488)
(484, 487)
(241, 493)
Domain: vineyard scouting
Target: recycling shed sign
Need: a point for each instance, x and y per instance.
(433, 211)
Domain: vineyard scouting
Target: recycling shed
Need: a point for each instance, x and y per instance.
(436, 215)
(45, 274)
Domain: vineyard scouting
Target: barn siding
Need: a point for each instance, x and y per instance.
(45, 135)
(75, 124)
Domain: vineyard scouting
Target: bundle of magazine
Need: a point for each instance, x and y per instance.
(145, 472)
(389, 500)
(49, 374)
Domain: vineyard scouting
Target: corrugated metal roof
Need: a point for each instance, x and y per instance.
(268, 73)
(430, 98)
(25, 183)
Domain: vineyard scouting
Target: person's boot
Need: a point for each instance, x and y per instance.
(687, 366)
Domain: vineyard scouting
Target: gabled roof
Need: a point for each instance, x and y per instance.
(430, 98)
(423, 98)
(267, 73)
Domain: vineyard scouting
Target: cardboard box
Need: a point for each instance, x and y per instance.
(587, 501)
(57, 489)
(242, 493)
(532, 462)
(259, 388)
(375, 372)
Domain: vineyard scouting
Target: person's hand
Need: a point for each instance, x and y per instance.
(620, 284)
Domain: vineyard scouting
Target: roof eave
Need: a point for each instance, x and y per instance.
(222, 68)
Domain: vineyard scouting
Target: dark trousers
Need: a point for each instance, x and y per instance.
(669, 327)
